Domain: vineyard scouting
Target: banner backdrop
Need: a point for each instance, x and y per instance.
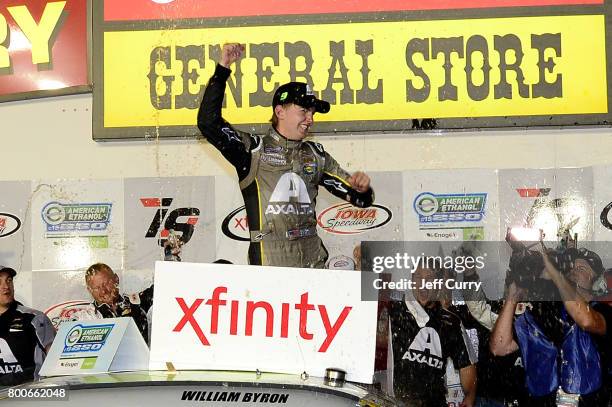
(60, 293)
(343, 227)
(52, 230)
(156, 208)
(550, 200)
(602, 204)
(547, 199)
(451, 205)
(231, 223)
(381, 70)
(15, 230)
(77, 223)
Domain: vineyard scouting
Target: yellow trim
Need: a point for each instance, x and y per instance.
(260, 220)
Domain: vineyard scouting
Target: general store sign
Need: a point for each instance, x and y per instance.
(390, 64)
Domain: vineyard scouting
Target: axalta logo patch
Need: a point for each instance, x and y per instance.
(426, 349)
(434, 209)
(87, 339)
(290, 197)
(82, 219)
(236, 225)
(9, 224)
(346, 219)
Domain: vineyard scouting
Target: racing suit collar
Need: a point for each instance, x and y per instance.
(280, 140)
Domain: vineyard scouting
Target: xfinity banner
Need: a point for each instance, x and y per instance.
(273, 319)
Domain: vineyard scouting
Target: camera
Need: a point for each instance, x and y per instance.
(525, 266)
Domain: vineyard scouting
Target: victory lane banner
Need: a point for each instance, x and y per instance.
(377, 75)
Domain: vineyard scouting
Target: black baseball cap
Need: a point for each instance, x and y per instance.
(8, 270)
(300, 94)
(593, 259)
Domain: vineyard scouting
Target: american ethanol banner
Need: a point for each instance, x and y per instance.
(382, 67)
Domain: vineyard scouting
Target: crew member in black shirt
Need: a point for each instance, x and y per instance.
(25, 335)
(423, 336)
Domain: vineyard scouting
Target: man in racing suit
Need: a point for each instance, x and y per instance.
(279, 173)
(103, 285)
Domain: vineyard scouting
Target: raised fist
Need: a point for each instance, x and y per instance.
(231, 53)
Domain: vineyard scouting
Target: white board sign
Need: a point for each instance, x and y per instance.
(275, 319)
(97, 346)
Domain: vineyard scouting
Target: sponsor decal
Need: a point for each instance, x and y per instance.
(604, 218)
(426, 349)
(309, 161)
(443, 235)
(439, 209)
(290, 197)
(532, 192)
(66, 311)
(466, 233)
(181, 221)
(236, 225)
(235, 396)
(231, 135)
(234, 312)
(274, 159)
(78, 219)
(87, 339)
(273, 149)
(309, 168)
(8, 361)
(346, 219)
(335, 184)
(9, 224)
(476, 233)
(274, 155)
(258, 237)
(554, 215)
